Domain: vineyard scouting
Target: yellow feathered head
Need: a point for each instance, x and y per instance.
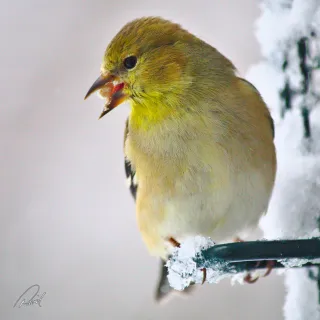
(153, 60)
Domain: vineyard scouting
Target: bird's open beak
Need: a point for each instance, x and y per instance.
(111, 89)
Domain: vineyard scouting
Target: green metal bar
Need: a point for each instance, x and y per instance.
(244, 256)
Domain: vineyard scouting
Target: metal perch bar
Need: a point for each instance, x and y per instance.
(244, 256)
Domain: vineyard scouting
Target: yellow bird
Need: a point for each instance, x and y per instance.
(199, 139)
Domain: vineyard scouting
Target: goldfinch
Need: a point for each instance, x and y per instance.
(199, 148)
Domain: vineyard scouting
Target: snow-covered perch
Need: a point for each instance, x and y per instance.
(227, 260)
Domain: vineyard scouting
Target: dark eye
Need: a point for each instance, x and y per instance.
(130, 62)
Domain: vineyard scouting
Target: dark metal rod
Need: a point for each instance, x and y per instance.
(264, 250)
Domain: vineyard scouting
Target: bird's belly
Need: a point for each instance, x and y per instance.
(217, 208)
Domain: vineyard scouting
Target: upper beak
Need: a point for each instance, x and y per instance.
(111, 89)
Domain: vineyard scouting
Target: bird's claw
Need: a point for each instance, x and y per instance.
(174, 242)
(270, 264)
(204, 270)
(249, 279)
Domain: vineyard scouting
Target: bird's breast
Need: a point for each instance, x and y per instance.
(178, 182)
(199, 177)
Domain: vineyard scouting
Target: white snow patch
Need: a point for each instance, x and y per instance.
(294, 209)
(290, 263)
(301, 302)
(279, 24)
(182, 267)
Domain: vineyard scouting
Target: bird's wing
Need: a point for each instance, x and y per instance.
(268, 115)
(163, 288)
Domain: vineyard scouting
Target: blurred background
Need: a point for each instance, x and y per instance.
(68, 220)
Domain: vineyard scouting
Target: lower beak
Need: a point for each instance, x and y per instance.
(111, 89)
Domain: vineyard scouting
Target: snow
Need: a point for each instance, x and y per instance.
(182, 269)
(301, 302)
(283, 21)
(289, 263)
(294, 209)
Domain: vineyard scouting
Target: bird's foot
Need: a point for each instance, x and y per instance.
(248, 278)
(174, 242)
(270, 265)
(204, 270)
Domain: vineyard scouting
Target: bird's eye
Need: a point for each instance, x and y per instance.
(130, 62)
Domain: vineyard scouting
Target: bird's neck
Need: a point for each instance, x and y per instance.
(160, 132)
(146, 116)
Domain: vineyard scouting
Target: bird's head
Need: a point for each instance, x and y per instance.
(151, 61)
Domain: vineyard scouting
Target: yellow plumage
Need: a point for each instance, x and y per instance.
(209, 174)
(199, 138)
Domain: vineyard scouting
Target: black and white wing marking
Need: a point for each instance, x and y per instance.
(130, 172)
